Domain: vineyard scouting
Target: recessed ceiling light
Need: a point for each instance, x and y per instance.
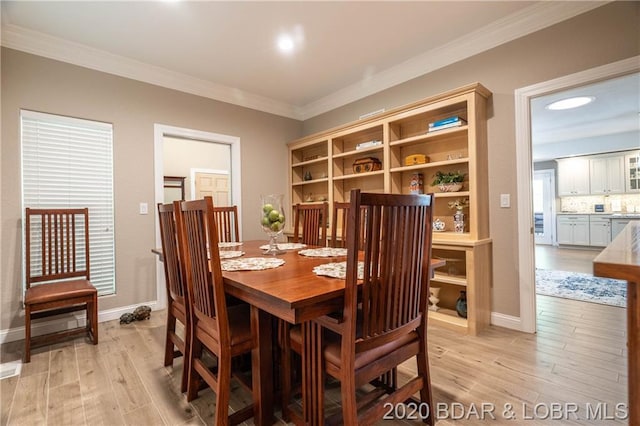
(285, 43)
(569, 103)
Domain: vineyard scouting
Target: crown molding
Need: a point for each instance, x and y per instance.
(29, 41)
(526, 21)
(522, 23)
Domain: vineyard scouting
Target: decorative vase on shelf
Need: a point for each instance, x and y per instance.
(461, 304)
(434, 299)
(458, 221)
(272, 220)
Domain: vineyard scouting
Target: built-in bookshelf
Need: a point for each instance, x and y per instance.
(371, 154)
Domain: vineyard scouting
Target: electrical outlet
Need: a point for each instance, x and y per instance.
(505, 200)
(144, 208)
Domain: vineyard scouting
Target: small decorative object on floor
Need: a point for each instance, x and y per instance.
(139, 314)
(434, 299)
(461, 304)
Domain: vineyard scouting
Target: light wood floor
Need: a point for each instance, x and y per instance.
(565, 259)
(578, 357)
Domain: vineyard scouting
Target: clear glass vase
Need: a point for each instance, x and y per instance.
(272, 220)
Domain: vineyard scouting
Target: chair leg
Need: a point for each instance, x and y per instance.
(193, 379)
(426, 396)
(223, 391)
(94, 319)
(285, 365)
(168, 343)
(27, 334)
(348, 396)
(186, 357)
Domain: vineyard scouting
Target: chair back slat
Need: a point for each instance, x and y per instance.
(227, 221)
(310, 223)
(396, 254)
(169, 238)
(198, 241)
(340, 224)
(56, 244)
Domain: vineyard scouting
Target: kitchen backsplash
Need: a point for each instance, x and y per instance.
(625, 203)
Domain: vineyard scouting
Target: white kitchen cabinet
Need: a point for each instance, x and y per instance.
(573, 230)
(606, 175)
(632, 171)
(599, 231)
(573, 176)
(617, 225)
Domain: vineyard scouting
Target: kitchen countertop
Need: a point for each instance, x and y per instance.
(612, 215)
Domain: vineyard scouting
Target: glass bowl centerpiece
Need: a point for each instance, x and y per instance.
(272, 220)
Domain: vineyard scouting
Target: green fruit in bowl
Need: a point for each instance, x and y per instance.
(276, 226)
(274, 215)
(281, 218)
(266, 221)
(267, 208)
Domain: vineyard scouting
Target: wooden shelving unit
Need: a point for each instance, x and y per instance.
(329, 156)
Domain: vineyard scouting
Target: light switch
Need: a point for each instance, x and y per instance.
(144, 208)
(505, 200)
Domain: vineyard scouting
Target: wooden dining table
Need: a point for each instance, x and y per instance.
(294, 293)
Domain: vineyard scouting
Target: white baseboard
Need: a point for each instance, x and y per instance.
(506, 321)
(68, 322)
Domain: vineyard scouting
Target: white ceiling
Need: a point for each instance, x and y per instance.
(227, 50)
(611, 122)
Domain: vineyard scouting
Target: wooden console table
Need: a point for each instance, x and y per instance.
(621, 260)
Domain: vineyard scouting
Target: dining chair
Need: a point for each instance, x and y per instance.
(57, 272)
(177, 298)
(224, 332)
(227, 221)
(310, 223)
(383, 321)
(340, 223)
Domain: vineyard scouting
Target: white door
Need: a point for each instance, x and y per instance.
(214, 185)
(543, 196)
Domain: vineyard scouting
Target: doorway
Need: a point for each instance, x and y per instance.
(228, 149)
(543, 206)
(526, 236)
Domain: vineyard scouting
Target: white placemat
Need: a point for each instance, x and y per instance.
(337, 270)
(230, 254)
(285, 246)
(251, 264)
(324, 252)
(229, 244)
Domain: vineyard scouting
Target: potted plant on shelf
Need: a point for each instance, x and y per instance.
(449, 181)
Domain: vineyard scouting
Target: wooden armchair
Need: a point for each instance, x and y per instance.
(177, 299)
(227, 220)
(57, 272)
(310, 223)
(384, 319)
(223, 331)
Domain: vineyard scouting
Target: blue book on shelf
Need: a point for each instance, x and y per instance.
(447, 120)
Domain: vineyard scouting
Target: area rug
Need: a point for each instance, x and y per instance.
(585, 287)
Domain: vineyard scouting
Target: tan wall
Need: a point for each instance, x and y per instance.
(602, 36)
(40, 84)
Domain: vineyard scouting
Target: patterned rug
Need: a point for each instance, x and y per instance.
(585, 287)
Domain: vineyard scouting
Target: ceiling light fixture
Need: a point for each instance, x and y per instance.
(570, 103)
(285, 43)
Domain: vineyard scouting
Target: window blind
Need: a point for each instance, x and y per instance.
(68, 163)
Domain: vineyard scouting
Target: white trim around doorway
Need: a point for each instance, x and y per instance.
(523, 98)
(159, 133)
